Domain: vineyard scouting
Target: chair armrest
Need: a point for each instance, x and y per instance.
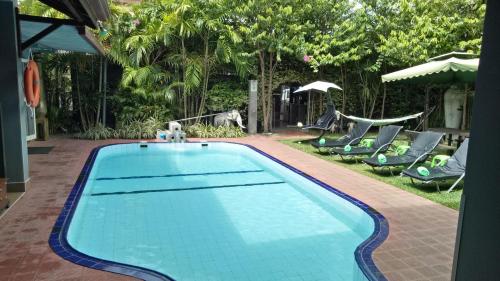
(378, 150)
(418, 158)
(455, 183)
(353, 140)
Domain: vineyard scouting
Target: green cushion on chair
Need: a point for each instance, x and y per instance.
(381, 158)
(401, 149)
(423, 171)
(439, 160)
(322, 141)
(367, 142)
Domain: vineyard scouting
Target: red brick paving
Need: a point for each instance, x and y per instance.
(419, 247)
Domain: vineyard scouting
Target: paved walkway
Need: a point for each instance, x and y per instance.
(419, 247)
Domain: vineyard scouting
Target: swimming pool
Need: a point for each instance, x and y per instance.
(218, 212)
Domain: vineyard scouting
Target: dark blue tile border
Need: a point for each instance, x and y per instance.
(59, 243)
(58, 237)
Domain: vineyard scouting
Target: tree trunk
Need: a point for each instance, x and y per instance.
(184, 88)
(206, 74)
(426, 108)
(374, 102)
(263, 99)
(80, 108)
(376, 91)
(270, 88)
(98, 113)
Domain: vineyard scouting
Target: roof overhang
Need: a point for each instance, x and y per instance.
(42, 34)
(85, 12)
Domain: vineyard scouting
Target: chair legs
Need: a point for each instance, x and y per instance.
(455, 183)
(437, 186)
(436, 183)
(390, 171)
(382, 168)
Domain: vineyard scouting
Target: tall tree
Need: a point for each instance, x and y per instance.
(423, 29)
(269, 28)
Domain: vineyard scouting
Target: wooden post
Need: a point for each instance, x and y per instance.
(464, 110)
(252, 106)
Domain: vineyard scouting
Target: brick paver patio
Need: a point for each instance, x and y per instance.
(419, 247)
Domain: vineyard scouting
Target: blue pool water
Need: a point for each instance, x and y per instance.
(221, 212)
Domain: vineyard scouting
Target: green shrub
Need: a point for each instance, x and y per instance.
(226, 96)
(132, 106)
(208, 131)
(99, 132)
(136, 129)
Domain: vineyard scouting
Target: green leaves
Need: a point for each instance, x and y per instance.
(167, 45)
(423, 29)
(273, 26)
(200, 130)
(226, 96)
(193, 74)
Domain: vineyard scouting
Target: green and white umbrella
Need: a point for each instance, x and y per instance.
(452, 70)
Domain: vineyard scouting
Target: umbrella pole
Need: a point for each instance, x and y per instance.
(329, 99)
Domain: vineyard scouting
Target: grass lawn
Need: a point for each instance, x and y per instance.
(429, 191)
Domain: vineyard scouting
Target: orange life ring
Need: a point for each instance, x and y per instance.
(32, 84)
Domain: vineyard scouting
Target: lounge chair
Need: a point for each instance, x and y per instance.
(418, 152)
(353, 138)
(453, 169)
(325, 121)
(381, 144)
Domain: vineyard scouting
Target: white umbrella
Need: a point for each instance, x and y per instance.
(316, 86)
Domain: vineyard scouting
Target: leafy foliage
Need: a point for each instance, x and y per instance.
(98, 132)
(271, 29)
(132, 129)
(36, 8)
(418, 30)
(226, 96)
(201, 130)
(174, 53)
(170, 49)
(136, 129)
(128, 106)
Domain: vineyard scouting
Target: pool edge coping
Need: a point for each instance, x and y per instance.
(59, 244)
